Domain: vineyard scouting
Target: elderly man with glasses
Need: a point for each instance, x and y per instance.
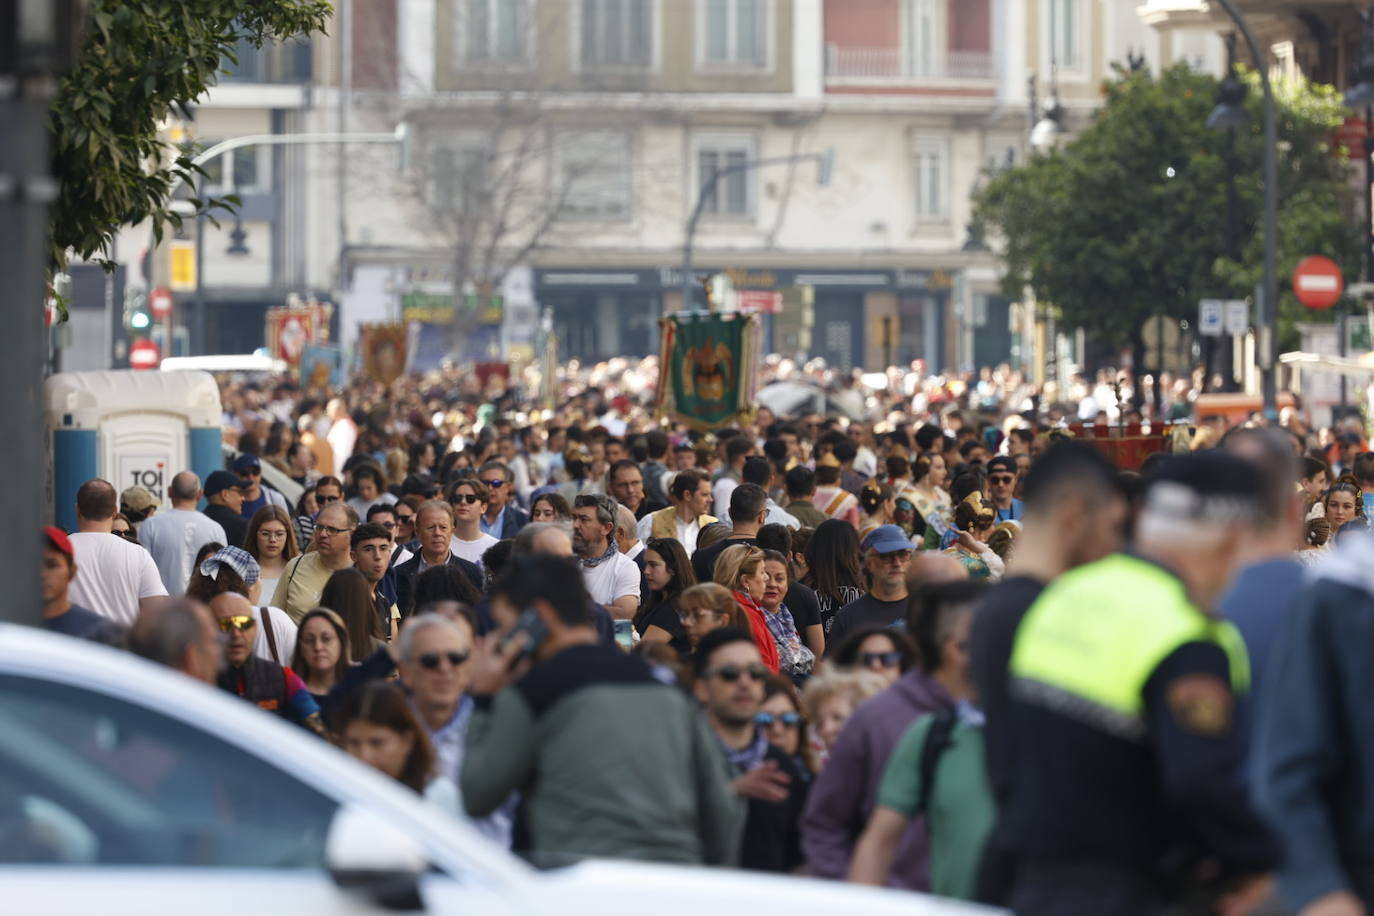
(266, 684)
(304, 577)
(434, 651)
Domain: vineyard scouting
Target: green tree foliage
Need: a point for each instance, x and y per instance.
(1129, 220)
(141, 60)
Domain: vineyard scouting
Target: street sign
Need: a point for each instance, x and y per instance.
(183, 266)
(160, 301)
(1317, 282)
(1209, 317)
(759, 300)
(144, 354)
(1237, 317)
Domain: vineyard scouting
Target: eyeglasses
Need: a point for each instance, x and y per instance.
(468, 498)
(983, 523)
(389, 526)
(731, 673)
(495, 484)
(899, 556)
(699, 614)
(252, 472)
(789, 719)
(406, 519)
(326, 500)
(885, 659)
(331, 531)
(240, 623)
(432, 660)
(1002, 478)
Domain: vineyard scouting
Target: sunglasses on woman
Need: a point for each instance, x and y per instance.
(731, 673)
(789, 719)
(432, 660)
(468, 498)
(885, 659)
(240, 623)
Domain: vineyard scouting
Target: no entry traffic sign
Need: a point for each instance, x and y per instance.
(1317, 282)
(144, 354)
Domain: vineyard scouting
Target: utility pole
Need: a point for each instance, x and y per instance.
(36, 39)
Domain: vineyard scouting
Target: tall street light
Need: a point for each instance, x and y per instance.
(1266, 312)
(1229, 116)
(1361, 95)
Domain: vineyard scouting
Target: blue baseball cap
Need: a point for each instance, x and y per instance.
(247, 462)
(219, 481)
(887, 539)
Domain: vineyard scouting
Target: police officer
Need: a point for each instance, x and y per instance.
(1127, 797)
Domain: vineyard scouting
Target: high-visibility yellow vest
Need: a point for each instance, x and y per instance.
(1090, 642)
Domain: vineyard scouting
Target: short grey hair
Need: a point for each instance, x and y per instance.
(526, 536)
(164, 632)
(625, 521)
(419, 624)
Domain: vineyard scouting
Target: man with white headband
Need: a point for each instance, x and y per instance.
(1127, 795)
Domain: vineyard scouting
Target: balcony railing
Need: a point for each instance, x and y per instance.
(898, 64)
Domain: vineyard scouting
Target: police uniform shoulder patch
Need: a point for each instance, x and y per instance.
(1201, 704)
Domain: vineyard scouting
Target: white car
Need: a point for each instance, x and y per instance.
(129, 788)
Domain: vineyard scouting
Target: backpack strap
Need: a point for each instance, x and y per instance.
(936, 743)
(271, 636)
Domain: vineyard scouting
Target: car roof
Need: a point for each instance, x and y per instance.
(452, 844)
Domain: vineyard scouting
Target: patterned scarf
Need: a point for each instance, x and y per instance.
(746, 758)
(611, 550)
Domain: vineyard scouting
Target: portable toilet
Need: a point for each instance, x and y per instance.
(130, 428)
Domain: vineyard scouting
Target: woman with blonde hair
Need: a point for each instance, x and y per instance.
(975, 520)
(706, 607)
(828, 701)
(741, 569)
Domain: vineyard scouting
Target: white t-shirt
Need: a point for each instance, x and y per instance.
(173, 538)
(722, 490)
(283, 629)
(472, 550)
(612, 579)
(686, 531)
(112, 575)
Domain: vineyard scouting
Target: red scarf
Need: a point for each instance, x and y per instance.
(758, 628)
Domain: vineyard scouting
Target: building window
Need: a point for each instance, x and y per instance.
(246, 170)
(593, 174)
(733, 193)
(732, 34)
(617, 34)
(1065, 30)
(931, 176)
(1003, 151)
(494, 32)
(458, 166)
(923, 40)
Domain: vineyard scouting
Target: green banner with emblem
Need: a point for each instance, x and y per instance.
(707, 368)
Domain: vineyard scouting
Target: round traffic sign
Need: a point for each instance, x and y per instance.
(144, 354)
(160, 302)
(1317, 282)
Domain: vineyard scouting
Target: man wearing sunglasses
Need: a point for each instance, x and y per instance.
(1002, 478)
(730, 677)
(502, 518)
(264, 683)
(256, 494)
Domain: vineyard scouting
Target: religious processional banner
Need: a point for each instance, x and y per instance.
(708, 366)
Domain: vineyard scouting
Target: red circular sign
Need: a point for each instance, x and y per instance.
(144, 354)
(1317, 282)
(160, 302)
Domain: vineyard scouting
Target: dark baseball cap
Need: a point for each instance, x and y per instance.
(1001, 463)
(219, 481)
(246, 462)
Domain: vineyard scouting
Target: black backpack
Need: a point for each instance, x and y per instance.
(938, 740)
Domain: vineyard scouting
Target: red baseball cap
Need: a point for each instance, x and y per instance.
(59, 540)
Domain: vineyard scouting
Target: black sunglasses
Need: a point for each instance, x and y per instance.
(886, 659)
(432, 660)
(790, 719)
(326, 500)
(468, 498)
(1002, 478)
(731, 673)
(405, 519)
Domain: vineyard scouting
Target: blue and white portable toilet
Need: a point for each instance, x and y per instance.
(131, 428)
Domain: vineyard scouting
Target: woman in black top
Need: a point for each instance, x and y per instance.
(833, 567)
(668, 572)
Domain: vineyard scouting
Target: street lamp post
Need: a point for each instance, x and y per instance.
(399, 135)
(1229, 115)
(1266, 312)
(825, 166)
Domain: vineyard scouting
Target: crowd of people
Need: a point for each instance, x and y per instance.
(947, 650)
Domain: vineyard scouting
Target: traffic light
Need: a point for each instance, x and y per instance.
(137, 317)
